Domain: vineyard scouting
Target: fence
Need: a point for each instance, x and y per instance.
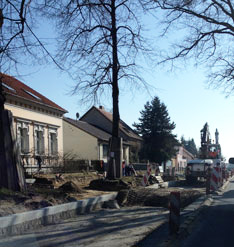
(54, 165)
(64, 166)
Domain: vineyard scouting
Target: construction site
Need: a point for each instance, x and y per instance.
(105, 202)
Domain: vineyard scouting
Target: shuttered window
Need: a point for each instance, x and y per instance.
(40, 148)
(39, 140)
(23, 137)
(24, 141)
(53, 144)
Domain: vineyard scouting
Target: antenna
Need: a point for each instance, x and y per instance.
(77, 116)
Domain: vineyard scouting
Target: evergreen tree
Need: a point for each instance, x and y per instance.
(155, 127)
(192, 147)
(189, 145)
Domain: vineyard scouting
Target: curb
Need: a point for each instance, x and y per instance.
(18, 223)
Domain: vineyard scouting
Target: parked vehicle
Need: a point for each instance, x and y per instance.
(230, 167)
(197, 168)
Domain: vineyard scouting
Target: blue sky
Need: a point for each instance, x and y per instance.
(190, 104)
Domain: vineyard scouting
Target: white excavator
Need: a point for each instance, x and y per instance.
(209, 156)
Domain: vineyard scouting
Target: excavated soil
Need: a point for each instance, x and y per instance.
(50, 190)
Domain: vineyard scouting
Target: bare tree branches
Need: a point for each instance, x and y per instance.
(86, 40)
(208, 36)
(17, 38)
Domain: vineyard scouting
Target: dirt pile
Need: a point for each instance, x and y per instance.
(70, 187)
(45, 192)
(108, 185)
(153, 197)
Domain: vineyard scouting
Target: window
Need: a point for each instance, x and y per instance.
(39, 139)
(53, 141)
(23, 137)
(105, 150)
(31, 94)
(8, 87)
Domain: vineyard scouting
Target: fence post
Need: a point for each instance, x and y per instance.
(174, 217)
(146, 175)
(214, 179)
(208, 181)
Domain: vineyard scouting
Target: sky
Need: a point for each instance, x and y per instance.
(189, 102)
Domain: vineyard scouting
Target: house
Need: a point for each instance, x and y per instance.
(181, 158)
(102, 119)
(85, 141)
(37, 121)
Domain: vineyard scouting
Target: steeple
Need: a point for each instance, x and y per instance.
(216, 137)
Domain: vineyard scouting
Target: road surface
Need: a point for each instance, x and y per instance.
(104, 228)
(215, 226)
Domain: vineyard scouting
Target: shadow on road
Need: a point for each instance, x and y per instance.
(107, 224)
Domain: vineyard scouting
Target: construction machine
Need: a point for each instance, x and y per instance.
(209, 156)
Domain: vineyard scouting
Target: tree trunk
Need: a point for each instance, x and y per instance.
(11, 170)
(116, 142)
(115, 89)
(164, 167)
(3, 168)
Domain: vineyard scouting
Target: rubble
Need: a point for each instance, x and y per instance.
(155, 197)
(70, 187)
(108, 185)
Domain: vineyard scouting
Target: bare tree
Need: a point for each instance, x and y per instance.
(207, 35)
(17, 41)
(99, 41)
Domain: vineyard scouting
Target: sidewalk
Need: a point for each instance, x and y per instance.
(104, 228)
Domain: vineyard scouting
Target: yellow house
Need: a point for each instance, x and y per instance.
(37, 121)
(87, 142)
(102, 119)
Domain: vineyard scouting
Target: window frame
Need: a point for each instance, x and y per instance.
(41, 129)
(52, 131)
(24, 146)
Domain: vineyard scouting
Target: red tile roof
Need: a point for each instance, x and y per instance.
(15, 87)
(122, 125)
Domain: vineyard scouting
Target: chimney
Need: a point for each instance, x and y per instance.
(101, 107)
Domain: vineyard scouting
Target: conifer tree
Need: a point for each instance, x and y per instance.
(189, 145)
(156, 128)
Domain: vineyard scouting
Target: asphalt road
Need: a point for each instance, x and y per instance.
(105, 228)
(215, 226)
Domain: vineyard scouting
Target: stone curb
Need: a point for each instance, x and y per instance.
(18, 223)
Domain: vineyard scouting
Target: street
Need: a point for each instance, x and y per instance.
(129, 225)
(216, 224)
(104, 228)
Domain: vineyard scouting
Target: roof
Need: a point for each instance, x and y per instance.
(122, 125)
(88, 128)
(12, 86)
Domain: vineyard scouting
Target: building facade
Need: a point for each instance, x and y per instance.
(102, 119)
(179, 162)
(37, 122)
(87, 142)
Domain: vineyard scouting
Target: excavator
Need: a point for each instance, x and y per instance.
(209, 156)
(208, 149)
